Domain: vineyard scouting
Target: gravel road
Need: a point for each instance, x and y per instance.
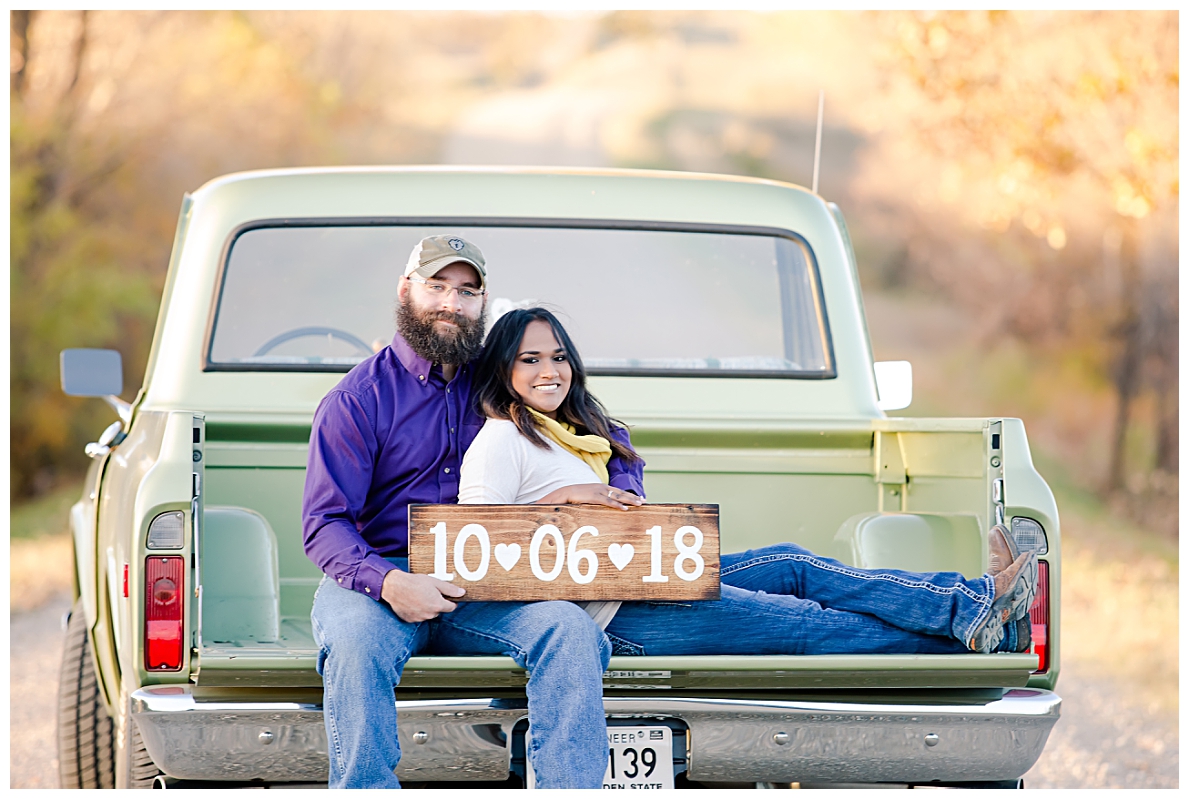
(35, 639)
(1106, 738)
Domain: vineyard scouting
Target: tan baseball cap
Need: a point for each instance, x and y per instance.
(433, 253)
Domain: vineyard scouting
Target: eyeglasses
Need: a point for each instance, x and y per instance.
(440, 289)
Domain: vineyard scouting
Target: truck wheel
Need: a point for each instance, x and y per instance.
(134, 767)
(85, 746)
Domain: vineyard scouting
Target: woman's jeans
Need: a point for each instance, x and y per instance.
(781, 599)
(785, 600)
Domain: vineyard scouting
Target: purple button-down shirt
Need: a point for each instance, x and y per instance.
(391, 433)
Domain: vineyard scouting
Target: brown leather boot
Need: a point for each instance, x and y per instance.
(1015, 588)
(1002, 549)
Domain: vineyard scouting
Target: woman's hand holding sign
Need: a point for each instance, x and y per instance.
(591, 494)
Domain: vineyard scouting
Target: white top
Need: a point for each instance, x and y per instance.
(502, 467)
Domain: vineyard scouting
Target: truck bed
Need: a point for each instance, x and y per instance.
(851, 471)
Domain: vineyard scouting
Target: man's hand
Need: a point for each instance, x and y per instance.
(591, 494)
(418, 597)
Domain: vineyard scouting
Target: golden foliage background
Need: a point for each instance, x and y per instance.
(1011, 178)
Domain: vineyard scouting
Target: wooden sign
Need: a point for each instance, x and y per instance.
(575, 552)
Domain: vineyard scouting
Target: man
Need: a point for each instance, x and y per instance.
(391, 433)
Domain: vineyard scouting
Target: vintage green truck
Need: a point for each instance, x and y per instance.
(741, 359)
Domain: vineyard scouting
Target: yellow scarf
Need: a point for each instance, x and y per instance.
(593, 450)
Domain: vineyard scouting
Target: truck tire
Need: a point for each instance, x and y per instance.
(134, 769)
(86, 757)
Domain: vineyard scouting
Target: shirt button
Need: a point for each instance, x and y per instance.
(447, 391)
(340, 579)
(451, 429)
(420, 377)
(368, 590)
(447, 470)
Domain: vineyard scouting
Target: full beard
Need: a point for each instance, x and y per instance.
(457, 346)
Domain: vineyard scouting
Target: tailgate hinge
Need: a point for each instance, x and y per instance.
(891, 473)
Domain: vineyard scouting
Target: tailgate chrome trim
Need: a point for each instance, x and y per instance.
(273, 666)
(730, 739)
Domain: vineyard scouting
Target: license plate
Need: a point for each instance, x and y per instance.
(638, 757)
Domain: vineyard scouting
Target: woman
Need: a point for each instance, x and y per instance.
(547, 441)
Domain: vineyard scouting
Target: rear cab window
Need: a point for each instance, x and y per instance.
(674, 301)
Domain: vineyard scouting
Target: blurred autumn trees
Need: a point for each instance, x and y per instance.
(115, 114)
(99, 160)
(77, 277)
(1058, 129)
(1020, 166)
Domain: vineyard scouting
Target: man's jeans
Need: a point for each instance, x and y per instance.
(785, 600)
(781, 599)
(364, 647)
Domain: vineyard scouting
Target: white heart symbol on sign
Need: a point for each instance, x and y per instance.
(507, 555)
(621, 554)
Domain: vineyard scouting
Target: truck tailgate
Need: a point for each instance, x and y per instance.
(290, 662)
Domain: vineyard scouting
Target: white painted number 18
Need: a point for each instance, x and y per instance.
(567, 557)
(684, 553)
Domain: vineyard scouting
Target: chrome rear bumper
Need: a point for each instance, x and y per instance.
(730, 740)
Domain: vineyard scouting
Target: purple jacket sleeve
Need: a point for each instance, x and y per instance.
(625, 476)
(342, 451)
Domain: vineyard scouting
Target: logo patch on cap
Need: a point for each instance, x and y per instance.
(457, 244)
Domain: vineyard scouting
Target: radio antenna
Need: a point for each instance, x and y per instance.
(817, 147)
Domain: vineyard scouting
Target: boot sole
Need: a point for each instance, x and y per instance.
(1023, 591)
(1007, 608)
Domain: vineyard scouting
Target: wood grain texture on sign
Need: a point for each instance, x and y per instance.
(635, 551)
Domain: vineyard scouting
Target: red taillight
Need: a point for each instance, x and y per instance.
(163, 613)
(1039, 613)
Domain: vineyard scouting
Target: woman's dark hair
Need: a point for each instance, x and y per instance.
(495, 397)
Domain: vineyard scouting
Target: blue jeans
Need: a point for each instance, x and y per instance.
(785, 600)
(364, 647)
(781, 599)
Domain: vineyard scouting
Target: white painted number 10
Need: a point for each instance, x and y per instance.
(569, 557)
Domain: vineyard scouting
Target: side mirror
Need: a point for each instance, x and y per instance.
(92, 373)
(893, 381)
(95, 373)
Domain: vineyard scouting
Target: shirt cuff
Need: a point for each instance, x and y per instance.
(626, 482)
(369, 577)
